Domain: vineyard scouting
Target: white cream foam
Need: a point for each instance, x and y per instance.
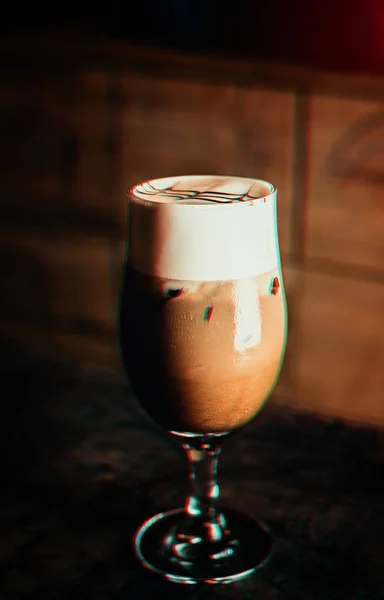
(203, 228)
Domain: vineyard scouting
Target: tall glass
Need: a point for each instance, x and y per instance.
(202, 329)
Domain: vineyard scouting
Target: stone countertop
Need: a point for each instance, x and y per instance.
(82, 468)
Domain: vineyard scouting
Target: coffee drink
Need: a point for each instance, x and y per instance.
(202, 327)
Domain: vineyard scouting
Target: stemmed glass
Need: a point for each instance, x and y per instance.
(202, 329)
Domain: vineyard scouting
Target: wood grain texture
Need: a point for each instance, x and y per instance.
(58, 152)
(83, 118)
(341, 348)
(298, 190)
(58, 290)
(172, 127)
(262, 123)
(32, 147)
(345, 187)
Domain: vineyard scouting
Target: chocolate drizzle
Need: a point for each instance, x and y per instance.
(219, 197)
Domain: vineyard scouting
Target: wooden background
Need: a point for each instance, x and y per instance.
(83, 118)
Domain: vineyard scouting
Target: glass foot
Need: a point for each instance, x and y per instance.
(250, 548)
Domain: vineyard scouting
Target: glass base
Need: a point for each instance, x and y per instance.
(252, 547)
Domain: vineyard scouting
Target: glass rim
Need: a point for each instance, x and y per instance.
(139, 194)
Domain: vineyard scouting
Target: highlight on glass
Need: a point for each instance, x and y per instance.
(202, 328)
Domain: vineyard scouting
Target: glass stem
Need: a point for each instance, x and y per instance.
(202, 536)
(204, 491)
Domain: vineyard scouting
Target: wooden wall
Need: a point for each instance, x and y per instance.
(82, 119)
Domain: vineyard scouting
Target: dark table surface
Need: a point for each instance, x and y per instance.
(81, 468)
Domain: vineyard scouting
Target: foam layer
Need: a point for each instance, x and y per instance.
(206, 228)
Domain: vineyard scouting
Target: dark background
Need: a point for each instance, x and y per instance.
(343, 34)
(96, 97)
